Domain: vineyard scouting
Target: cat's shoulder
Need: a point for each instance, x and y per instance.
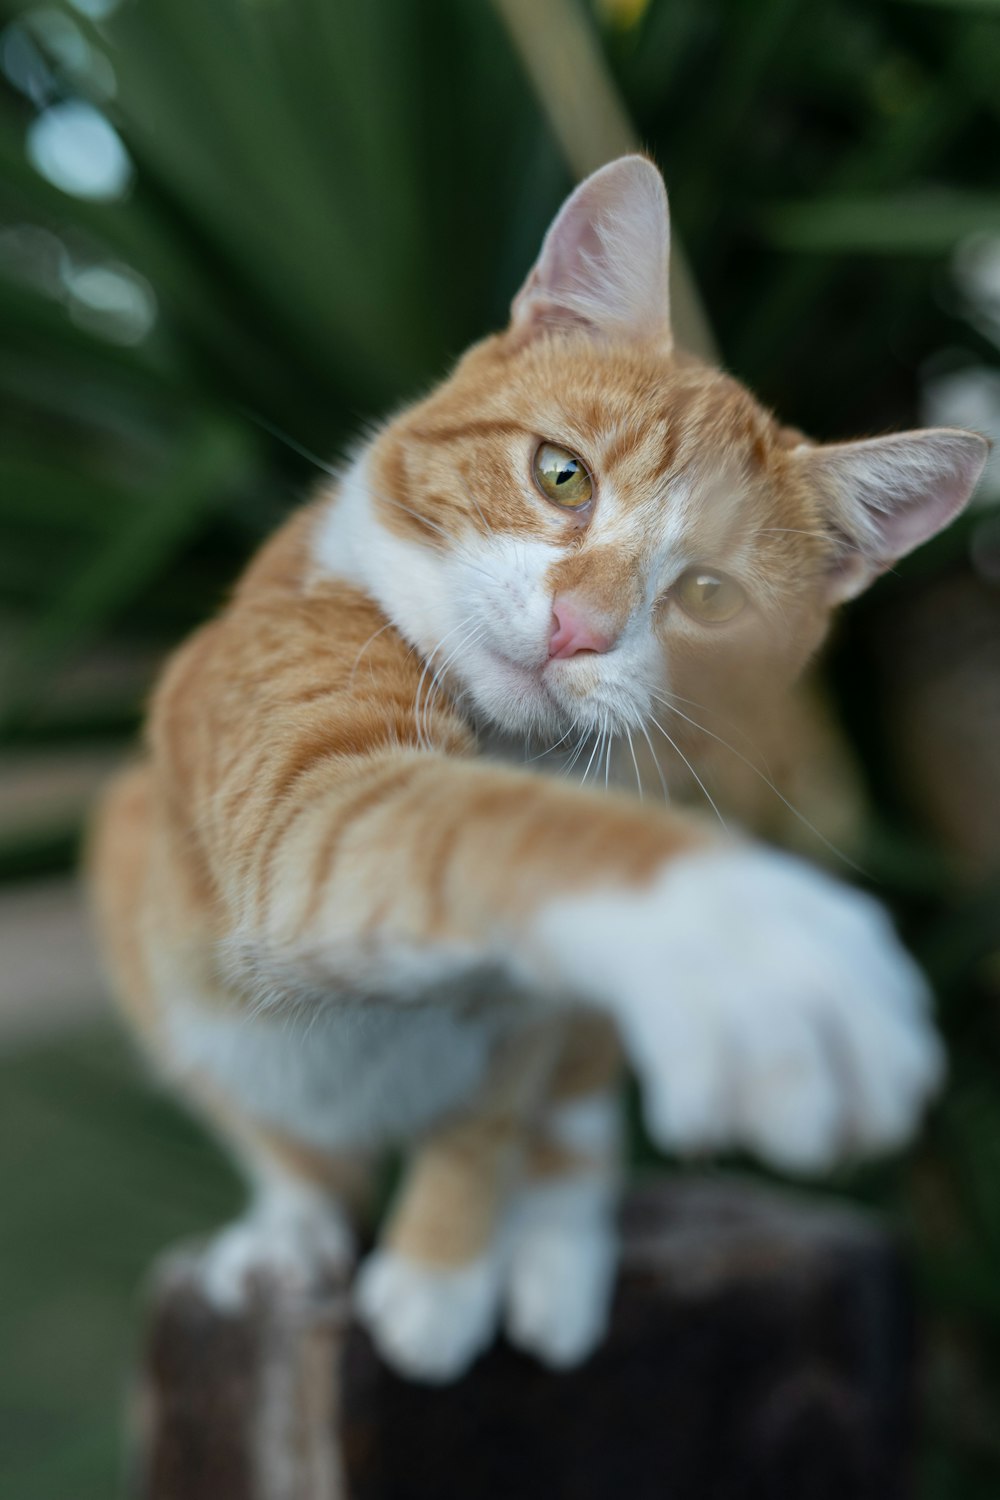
(286, 560)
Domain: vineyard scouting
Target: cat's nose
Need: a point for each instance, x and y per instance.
(573, 633)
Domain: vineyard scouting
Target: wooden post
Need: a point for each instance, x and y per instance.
(760, 1347)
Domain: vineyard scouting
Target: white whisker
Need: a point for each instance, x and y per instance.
(638, 778)
(296, 447)
(656, 762)
(671, 698)
(768, 783)
(842, 543)
(590, 762)
(423, 676)
(575, 754)
(480, 513)
(371, 639)
(467, 640)
(656, 723)
(529, 759)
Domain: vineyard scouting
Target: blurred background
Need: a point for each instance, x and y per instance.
(231, 230)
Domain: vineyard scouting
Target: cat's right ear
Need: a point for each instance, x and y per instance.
(604, 262)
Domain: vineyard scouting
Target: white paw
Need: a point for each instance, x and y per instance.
(427, 1322)
(561, 1274)
(293, 1246)
(764, 1005)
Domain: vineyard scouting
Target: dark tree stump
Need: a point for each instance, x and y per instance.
(760, 1350)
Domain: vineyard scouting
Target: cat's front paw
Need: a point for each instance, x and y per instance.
(766, 1005)
(793, 1022)
(290, 1247)
(561, 1275)
(428, 1322)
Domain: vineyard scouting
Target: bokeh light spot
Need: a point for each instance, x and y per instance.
(78, 150)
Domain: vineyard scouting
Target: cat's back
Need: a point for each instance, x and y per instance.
(121, 850)
(117, 859)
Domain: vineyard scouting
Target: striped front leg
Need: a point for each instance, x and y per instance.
(431, 1293)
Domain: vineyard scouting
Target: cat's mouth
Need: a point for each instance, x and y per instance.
(549, 697)
(529, 677)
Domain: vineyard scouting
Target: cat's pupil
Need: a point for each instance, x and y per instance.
(566, 473)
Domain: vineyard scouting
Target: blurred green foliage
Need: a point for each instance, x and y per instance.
(327, 202)
(99, 1174)
(330, 200)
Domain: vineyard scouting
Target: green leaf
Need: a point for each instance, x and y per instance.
(207, 463)
(927, 222)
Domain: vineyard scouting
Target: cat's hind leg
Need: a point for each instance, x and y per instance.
(154, 916)
(563, 1233)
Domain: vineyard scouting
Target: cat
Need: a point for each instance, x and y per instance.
(348, 908)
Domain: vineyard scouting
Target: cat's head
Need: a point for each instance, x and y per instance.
(581, 519)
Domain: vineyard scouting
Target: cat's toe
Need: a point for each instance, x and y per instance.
(294, 1256)
(851, 1059)
(787, 1101)
(560, 1282)
(429, 1323)
(798, 1026)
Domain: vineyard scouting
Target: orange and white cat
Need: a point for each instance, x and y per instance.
(348, 906)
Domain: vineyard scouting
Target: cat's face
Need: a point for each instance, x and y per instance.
(599, 525)
(579, 521)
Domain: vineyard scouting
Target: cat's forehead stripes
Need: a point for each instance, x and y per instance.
(628, 402)
(471, 428)
(687, 470)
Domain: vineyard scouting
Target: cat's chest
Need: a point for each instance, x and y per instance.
(343, 1076)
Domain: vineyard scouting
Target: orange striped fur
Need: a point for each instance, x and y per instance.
(328, 891)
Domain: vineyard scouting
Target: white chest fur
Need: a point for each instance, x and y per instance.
(341, 1076)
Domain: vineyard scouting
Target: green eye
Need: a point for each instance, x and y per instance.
(561, 477)
(709, 596)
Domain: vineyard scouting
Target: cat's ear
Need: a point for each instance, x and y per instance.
(604, 262)
(885, 496)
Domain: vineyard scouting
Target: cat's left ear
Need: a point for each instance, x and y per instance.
(604, 262)
(885, 496)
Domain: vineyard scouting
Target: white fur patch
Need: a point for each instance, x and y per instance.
(553, 1267)
(407, 580)
(292, 1236)
(341, 1074)
(427, 1322)
(763, 1005)
(590, 1127)
(561, 1272)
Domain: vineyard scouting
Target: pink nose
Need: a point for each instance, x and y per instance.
(572, 632)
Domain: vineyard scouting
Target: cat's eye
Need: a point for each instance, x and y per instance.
(561, 477)
(709, 596)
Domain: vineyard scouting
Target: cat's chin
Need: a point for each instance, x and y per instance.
(516, 699)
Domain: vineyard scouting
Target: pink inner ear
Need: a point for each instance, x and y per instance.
(605, 259)
(921, 516)
(891, 494)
